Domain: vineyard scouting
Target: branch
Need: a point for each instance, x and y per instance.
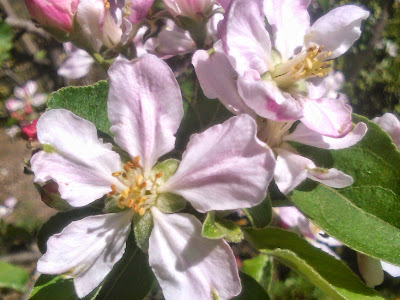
(27, 26)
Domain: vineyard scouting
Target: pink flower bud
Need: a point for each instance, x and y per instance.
(188, 8)
(57, 14)
(29, 132)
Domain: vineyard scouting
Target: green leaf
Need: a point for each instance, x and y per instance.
(364, 216)
(49, 286)
(329, 274)
(167, 168)
(251, 290)
(215, 227)
(170, 203)
(143, 225)
(6, 36)
(131, 278)
(12, 277)
(260, 268)
(88, 102)
(261, 215)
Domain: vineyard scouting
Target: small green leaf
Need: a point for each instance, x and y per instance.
(364, 216)
(143, 225)
(6, 37)
(12, 277)
(88, 102)
(261, 215)
(260, 268)
(215, 227)
(49, 286)
(251, 289)
(170, 203)
(329, 274)
(167, 168)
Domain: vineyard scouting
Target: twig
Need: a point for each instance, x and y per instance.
(27, 26)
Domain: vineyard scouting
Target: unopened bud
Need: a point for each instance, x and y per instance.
(53, 14)
(29, 131)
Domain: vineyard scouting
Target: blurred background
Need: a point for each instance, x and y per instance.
(371, 71)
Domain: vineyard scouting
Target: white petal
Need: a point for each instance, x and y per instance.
(81, 164)
(389, 123)
(38, 100)
(14, 104)
(27, 91)
(393, 270)
(244, 36)
(370, 269)
(76, 65)
(337, 30)
(145, 107)
(290, 170)
(87, 249)
(330, 177)
(217, 79)
(309, 137)
(225, 167)
(290, 21)
(188, 266)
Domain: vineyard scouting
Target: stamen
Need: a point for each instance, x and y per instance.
(135, 161)
(116, 174)
(106, 4)
(125, 193)
(141, 211)
(158, 174)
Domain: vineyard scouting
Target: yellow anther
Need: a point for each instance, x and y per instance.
(125, 175)
(309, 63)
(135, 207)
(141, 211)
(106, 4)
(116, 174)
(135, 161)
(120, 202)
(129, 202)
(327, 54)
(125, 193)
(158, 174)
(138, 179)
(141, 200)
(130, 164)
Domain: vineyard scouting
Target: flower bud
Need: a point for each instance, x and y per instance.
(53, 14)
(29, 132)
(188, 8)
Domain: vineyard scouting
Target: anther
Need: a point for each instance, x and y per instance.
(138, 179)
(126, 168)
(125, 193)
(116, 174)
(143, 185)
(141, 211)
(113, 189)
(135, 161)
(141, 200)
(158, 174)
(120, 202)
(129, 202)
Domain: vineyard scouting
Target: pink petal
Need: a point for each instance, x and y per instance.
(80, 163)
(217, 80)
(266, 99)
(337, 30)
(188, 266)
(76, 65)
(27, 91)
(370, 269)
(244, 36)
(393, 270)
(225, 167)
(87, 249)
(305, 136)
(330, 177)
(14, 104)
(290, 21)
(145, 107)
(139, 9)
(389, 123)
(327, 116)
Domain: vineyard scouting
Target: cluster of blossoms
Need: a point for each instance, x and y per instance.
(277, 80)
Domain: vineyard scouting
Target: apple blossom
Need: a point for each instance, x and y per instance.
(223, 168)
(77, 63)
(53, 14)
(218, 80)
(8, 207)
(111, 23)
(25, 97)
(274, 66)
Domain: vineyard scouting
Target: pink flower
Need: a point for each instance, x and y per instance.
(29, 132)
(274, 66)
(53, 14)
(223, 168)
(218, 80)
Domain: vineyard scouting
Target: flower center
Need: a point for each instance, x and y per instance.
(140, 193)
(273, 132)
(307, 64)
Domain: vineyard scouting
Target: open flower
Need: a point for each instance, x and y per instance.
(274, 66)
(25, 97)
(218, 80)
(223, 168)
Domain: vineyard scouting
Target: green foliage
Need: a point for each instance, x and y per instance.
(251, 290)
(12, 277)
(261, 215)
(6, 37)
(215, 227)
(327, 273)
(260, 268)
(89, 102)
(364, 216)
